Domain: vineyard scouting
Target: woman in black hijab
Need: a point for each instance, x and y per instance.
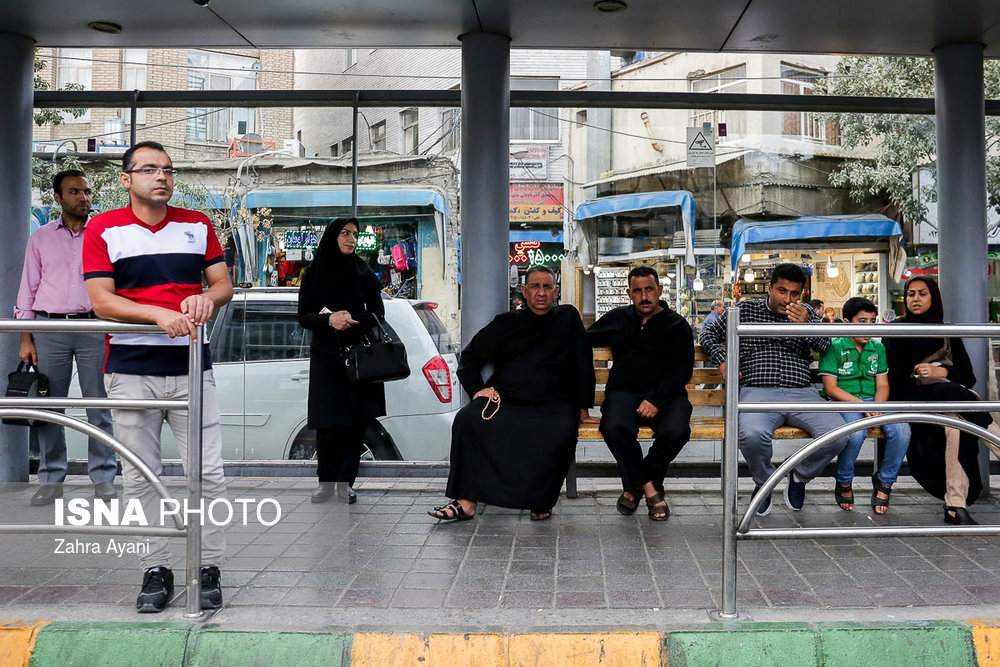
(339, 301)
(944, 461)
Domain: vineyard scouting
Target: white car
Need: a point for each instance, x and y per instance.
(260, 355)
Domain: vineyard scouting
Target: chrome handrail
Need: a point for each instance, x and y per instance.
(32, 408)
(900, 411)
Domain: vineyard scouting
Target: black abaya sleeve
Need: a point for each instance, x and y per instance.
(583, 362)
(961, 371)
(309, 317)
(476, 355)
(371, 294)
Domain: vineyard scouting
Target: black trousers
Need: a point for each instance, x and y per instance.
(620, 427)
(338, 453)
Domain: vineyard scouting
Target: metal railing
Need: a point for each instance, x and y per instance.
(734, 530)
(39, 409)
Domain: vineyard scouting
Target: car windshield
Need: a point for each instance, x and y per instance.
(442, 340)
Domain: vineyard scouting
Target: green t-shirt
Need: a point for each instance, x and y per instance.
(855, 371)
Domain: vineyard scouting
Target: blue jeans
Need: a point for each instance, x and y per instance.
(897, 440)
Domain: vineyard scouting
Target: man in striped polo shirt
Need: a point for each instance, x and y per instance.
(144, 263)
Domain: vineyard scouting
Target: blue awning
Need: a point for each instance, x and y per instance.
(640, 201)
(519, 236)
(830, 227)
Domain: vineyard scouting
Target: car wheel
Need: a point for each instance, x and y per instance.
(377, 445)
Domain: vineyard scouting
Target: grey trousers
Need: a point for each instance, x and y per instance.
(55, 360)
(139, 430)
(757, 431)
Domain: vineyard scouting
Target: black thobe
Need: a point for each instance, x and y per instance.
(652, 362)
(543, 370)
(925, 455)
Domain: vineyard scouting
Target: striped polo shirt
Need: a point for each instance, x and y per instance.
(160, 266)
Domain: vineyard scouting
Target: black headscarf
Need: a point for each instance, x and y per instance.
(934, 314)
(335, 274)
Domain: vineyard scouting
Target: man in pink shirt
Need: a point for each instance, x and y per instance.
(52, 287)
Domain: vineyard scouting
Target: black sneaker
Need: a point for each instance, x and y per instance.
(157, 589)
(211, 587)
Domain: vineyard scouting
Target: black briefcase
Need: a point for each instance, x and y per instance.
(379, 357)
(26, 382)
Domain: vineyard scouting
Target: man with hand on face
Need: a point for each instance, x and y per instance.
(52, 288)
(512, 445)
(653, 351)
(145, 263)
(776, 370)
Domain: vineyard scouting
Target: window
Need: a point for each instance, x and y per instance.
(134, 78)
(378, 136)
(334, 150)
(260, 331)
(803, 124)
(530, 124)
(347, 146)
(408, 122)
(451, 129)
(216, 71)
(75, 70)
(350, 58)
(732, 80)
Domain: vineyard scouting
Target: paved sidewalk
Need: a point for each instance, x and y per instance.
(383, 564)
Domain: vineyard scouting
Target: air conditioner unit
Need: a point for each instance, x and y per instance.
(294, 147)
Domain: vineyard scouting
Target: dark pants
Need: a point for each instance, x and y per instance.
(338, 452)
(620, 427)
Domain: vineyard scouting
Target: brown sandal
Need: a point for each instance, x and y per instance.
(658, 509)
(626, 506)
(844, 494)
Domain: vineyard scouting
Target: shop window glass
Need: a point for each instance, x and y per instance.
(732, 80)
(531, 124)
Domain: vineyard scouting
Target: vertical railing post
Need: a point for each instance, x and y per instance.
(730, 471)
(194, 528)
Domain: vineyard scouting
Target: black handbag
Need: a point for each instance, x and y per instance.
(26, 382)
(379, 357)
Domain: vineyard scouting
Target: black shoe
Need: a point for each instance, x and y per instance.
(157, 589)
(47, 494)
(345, 492)
(961, 517)
(211, 587)
(795, 494)
(323, 492)
(765, 507)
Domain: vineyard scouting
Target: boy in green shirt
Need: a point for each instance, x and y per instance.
(854, 370)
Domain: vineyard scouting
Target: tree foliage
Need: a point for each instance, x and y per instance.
(899, 144)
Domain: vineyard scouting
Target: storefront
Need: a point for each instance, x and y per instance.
(843, 256)
(532, 248)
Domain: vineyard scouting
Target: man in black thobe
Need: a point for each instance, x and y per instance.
(512, 445)
(653, 351)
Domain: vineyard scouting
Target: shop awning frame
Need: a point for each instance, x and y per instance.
(640, 201)
(847, 228)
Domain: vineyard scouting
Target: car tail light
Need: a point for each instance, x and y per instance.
(439, 377)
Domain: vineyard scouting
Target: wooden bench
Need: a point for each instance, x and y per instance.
(702, 428)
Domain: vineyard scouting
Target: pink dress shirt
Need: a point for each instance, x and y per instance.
(52, 279)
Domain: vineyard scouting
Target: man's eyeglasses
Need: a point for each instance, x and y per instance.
(153, 171)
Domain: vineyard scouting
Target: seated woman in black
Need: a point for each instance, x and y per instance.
(944, 461)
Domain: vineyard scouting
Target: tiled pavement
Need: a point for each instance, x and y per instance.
(386, 563)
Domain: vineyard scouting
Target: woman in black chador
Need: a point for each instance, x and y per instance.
(339, 301)
(943, 461)
(512, 445)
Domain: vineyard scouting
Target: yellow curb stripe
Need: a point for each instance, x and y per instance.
(625, 649)
(17, 641)
(376, 649)
(986, 639)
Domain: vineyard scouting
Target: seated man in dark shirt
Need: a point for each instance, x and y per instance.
(653, 351)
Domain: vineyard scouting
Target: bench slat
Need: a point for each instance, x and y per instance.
(699, 376)
(604, 354)
(699, 397)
